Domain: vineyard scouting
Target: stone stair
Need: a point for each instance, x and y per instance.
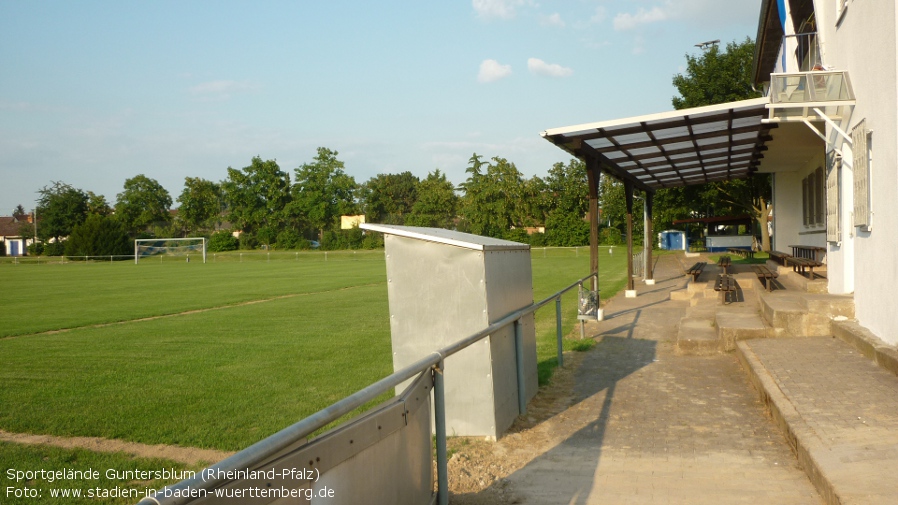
(795, 308)
(794, 312)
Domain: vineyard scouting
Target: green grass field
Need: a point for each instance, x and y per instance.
(249, 344)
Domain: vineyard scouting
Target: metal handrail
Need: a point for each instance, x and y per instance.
(270, 446)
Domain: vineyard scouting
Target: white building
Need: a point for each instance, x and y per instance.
(838, 191)
(826, 129)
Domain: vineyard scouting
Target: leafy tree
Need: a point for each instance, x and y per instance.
(221, 241)
(388, 198)
(718, 77)
(98, 235)
(60, 208)
(564, 229)
(257, 197)
(323, 192)
(144, 202)
(97, 204)
(437, 203)
(200, 203)
(567, 187)
(491, 205)
(534, 206)
(567, 201)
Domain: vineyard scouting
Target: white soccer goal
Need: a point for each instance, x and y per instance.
(165, 247)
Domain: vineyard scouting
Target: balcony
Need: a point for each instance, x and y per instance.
(818, 95)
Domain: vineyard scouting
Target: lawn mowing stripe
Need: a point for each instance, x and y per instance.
(190, 312)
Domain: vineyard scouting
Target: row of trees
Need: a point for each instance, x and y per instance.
(271, 209)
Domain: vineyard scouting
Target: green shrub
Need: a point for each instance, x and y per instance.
(373, 241)
(248, 241)
(98, 236)
(566, 230)
(517, 235)
(36, 249)
(54, 248)
(221, 241)
(538, 240)
(611, 236)
(288, 239)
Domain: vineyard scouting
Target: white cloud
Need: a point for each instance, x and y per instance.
(627, 21)
(220, 90)
(553, 19)
(492, 70)
(539, 67)
(503, 9)
(599, 15)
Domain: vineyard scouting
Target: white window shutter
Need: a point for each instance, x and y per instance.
(861, 175)
(833, 214)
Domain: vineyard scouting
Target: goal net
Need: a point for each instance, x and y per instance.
(170, 247)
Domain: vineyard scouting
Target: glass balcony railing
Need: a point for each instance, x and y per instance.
(807, 88)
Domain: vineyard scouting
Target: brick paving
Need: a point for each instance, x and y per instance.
(841, 410)
(662, 428)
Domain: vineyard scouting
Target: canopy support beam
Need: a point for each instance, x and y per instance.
(648, 240)
(631, 288)
(592, 180)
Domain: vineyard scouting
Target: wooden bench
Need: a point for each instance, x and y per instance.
(726, 285)
(799, 264)
(696, 270)
(779, 257)
(765, 275)
(724, 263)
(745, 253)
(808, 251)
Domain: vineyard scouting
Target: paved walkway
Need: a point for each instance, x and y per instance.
(840, 410)
(662, 428)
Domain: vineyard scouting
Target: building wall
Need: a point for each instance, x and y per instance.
(789, 228)
(864, 43)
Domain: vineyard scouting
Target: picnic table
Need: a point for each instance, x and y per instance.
(765, 275)
(808, 251)
(779, 257)
(726, 286)
(696, 270)
(724, 263)
(799, 265)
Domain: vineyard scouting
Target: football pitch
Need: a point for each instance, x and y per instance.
(216, 355)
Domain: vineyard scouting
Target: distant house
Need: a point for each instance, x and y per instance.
(10, 237)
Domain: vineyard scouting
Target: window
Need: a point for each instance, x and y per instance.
(833, 213)
(862, 157)
(813, 192)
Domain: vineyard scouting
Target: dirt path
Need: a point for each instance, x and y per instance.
(478, 469)
(186, 455)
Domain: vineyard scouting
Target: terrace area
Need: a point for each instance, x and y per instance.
(774, 398)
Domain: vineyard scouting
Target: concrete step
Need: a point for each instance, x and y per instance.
(697, 336)
(823, 309)
(681, 294)
(786, 314)
(742, 325)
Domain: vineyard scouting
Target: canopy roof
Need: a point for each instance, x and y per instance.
(676, 148)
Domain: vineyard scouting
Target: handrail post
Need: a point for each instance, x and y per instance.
(439, 414)
(519, 361)
(558, 332)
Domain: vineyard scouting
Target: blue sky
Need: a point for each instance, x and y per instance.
(93, 93)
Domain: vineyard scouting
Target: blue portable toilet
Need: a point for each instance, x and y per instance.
(672, 240)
